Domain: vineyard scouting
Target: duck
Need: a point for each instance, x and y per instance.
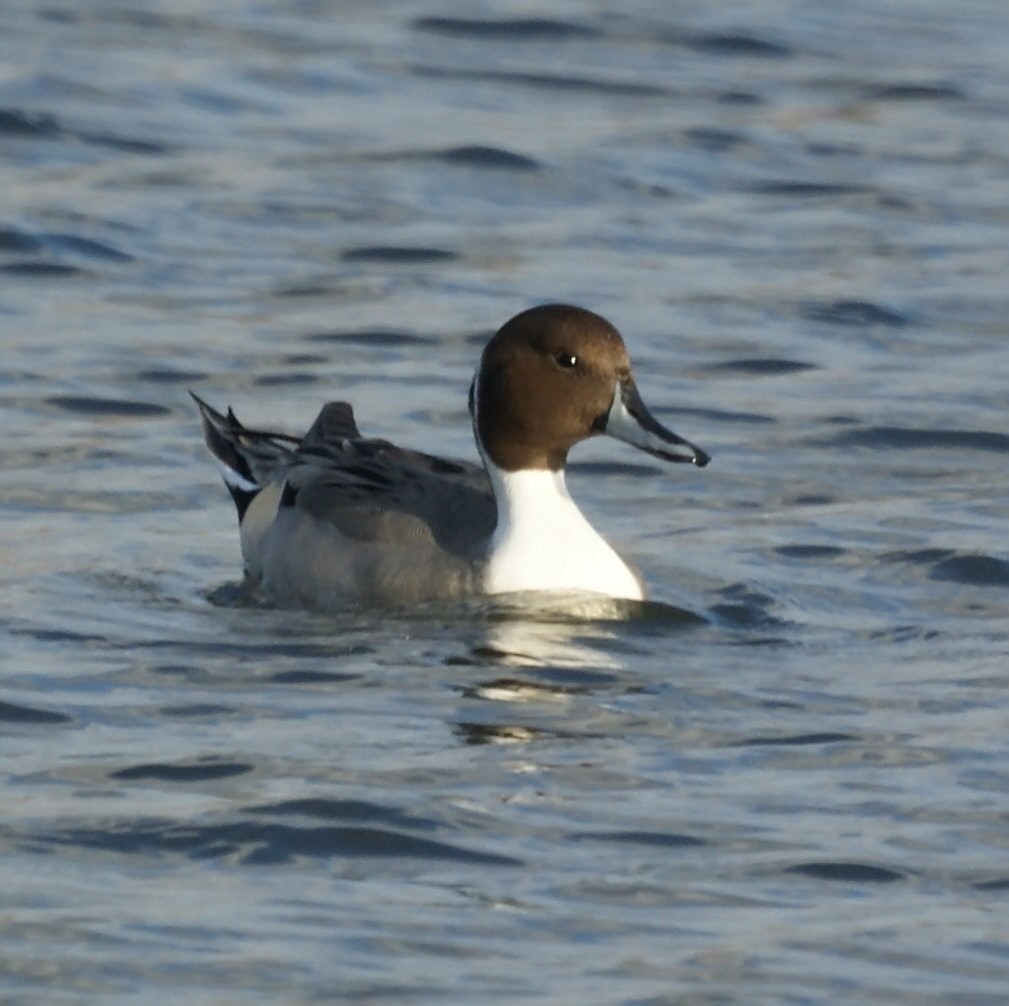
(335, 520)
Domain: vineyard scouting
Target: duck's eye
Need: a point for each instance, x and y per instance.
(565, 359)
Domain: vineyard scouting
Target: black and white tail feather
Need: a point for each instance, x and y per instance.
(249, 459)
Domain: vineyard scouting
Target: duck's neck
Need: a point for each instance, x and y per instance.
(543, 541)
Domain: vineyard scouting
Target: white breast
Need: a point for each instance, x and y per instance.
(543, 541)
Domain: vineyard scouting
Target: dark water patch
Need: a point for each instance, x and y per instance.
(820, 148)
(913, 92)
(58, 15)
(230, 595)
(724, 415)
(650, 190)
(751, 642)
(524, 29)
(311, 678)
(588, 85)
(277, 844)
(281, 380)
(488, 157)
(373, 337)
(904, 634)
(253, 650)
(735, 97)
(812, 499)
(17, 122)
(653, 839)
(176, 670)
(125, 144)
(197, 710)
(769, 366)
(268, 844)
(168, 375)
(58, 636)
(804, 190)
(907, 438)
(744, 608)
(13, 240)
(810, 551)
(85, 405)
(12, 713)
(972, 570)
(1001, 884)
(736, 44)
(463, 660)
(580, 680)
(549, 82)
(798, 740)
(322, 809)
(780, 704)
(852, 873)
(42, 270)
(303, 359)
(902, 204)
(198, 772)
(85, 246)
(714, 140)
(855, 314)
(398, 255)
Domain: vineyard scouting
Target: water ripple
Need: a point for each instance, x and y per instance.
(12, 713)
(475, 156)
(653, 839)
(973, 570)
(258, 843)
(87, 405)
(763, 366)
(574, 83)
(526, 29)
(909, 438)
(395, 254)
(850, 873)
(733, 44)
(855, 313)
(200, 772)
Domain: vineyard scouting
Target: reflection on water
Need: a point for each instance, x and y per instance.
(559, 630)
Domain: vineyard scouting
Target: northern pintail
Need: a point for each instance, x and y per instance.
(333, 519)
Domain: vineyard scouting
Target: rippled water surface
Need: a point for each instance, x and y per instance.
(785, 780)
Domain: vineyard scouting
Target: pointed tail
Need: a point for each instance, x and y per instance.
(249, 459)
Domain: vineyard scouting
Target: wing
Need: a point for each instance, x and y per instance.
(373, 491)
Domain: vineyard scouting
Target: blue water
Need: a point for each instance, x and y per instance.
(785, 781)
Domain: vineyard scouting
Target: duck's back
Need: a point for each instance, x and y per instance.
(342, 519)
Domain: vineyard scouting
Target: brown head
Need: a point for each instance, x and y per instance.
(554, 375)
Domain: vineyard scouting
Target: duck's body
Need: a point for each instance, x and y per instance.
(335, 519)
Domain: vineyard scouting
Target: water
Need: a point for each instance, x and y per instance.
(797, 215)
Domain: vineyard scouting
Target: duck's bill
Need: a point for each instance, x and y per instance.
(629, 420)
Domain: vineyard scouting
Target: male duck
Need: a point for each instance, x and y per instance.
(333, 519)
